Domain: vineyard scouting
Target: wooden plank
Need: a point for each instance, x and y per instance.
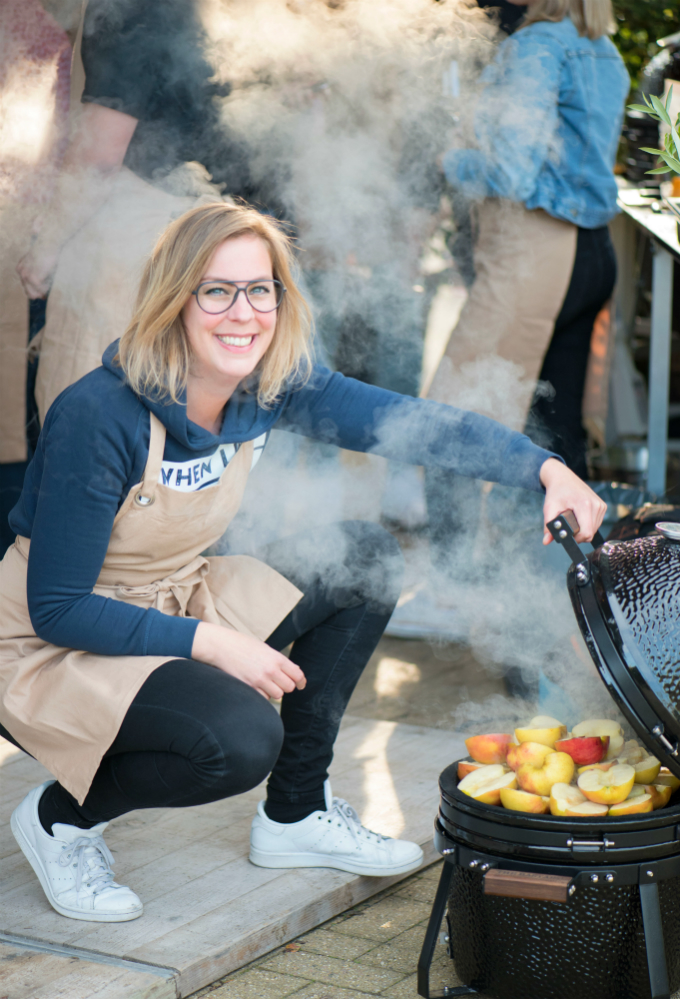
(27, 974)
(527, 884)
(207, 909)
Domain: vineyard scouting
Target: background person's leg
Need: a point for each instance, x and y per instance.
(351, 576)
(193, 734)
(555, 418)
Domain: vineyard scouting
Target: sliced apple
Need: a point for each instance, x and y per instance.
(466, 767)
(488, 749)
(605, 765)
(485, 784)
(538, 776)
(634, 804)
(601, 727)
(584, 750)
(666, 777)
(543, 729)
(607, 787)
(645, 765)
(659, 793)
(565, 799)
(522, 801)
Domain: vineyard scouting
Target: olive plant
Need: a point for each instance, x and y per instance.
(670, 154)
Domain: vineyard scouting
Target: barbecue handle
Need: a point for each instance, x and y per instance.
(564, 527)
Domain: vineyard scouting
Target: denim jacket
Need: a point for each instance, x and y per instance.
(547, 125)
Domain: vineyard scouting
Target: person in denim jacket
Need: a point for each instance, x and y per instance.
(540, 178)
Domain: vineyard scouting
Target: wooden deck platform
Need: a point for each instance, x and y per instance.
(208, 911)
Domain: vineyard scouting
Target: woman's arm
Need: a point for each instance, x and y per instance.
(360, 417)
(516, 121)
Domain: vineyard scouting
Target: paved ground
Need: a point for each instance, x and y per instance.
(372, 950)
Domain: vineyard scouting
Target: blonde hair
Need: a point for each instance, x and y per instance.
(592, 18)
(154, 351)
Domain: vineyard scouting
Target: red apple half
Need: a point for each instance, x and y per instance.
(584, 750)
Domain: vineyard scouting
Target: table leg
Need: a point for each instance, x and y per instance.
(659, 369)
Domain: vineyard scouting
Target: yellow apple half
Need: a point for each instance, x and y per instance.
(646, 766)
(538, 777)
(602, 726)
(565, 799)
(466, 767)
(543, 729)
(488, 749)
(485, 784)
(666, 777)
(660, 794)
(608, 787)
(522, 801)
(635, 803)
(597, 766)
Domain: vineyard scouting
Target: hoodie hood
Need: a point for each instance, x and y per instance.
(244, 419)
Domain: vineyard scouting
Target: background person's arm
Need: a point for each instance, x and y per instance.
(92, 160)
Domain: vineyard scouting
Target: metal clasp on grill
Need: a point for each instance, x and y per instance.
(589, 845)
(671, 749)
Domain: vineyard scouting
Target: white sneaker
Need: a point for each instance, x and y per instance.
(334, 838)
(73, 866)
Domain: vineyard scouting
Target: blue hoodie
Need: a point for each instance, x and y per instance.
(94, 446)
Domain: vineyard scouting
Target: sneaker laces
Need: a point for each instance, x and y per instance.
(344, 811)
(94, 862)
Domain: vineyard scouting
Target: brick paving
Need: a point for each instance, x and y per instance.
(371, 950)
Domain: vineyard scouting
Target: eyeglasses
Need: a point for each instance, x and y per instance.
(219, 296)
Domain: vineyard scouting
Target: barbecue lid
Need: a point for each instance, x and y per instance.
(626, 598)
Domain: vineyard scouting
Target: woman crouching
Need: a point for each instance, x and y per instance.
(138, 671)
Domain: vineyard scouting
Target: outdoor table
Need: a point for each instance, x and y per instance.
(661, 228)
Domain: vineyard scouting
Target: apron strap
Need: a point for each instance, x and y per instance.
(146, 494)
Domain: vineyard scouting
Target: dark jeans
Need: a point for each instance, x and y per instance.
(554, 420)
(195, 734)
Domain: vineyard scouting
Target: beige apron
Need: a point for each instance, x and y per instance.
(524, 261)
(65, 706)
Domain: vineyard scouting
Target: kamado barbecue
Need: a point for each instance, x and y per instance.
(562, 849)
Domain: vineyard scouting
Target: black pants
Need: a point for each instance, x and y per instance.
(554, 420)
(195, 734)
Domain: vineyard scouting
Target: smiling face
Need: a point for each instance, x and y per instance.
(227, 347)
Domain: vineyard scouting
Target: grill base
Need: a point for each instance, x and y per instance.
(591, 947)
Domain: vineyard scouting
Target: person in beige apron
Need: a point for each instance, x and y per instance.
(136, 668)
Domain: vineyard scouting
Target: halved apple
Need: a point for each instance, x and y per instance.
(645, 765)
(638, 801)
(659, 793)
(607, 787)
(543, 729)
(585, 749)
(522, 801)
(605, 765)
(565, 799)
(488, 749)
(466, 767)
(539, 775)
(666, 777)
(485, 784)
(602, 726)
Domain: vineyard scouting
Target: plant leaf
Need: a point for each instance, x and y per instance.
(645, 110)
(669, 98)
(671, 161)
(660, 110)
(648, 149)
(663, 169)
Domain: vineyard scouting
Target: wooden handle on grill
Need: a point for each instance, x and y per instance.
(525, 884)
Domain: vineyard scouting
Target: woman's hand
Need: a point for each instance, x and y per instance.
(565, 491)
(248, 659)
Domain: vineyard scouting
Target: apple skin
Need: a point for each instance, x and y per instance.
(533, 753)
(539, 778)
(522, 801)
(639, 803)
(607, 765)
(602, 726)
(647, 770)
(466, 767)
(488, 749)
(666, 777)
(584, 750)
(659, 793)
(612, 787)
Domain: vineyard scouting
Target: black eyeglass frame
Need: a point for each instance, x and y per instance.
(241, 286)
